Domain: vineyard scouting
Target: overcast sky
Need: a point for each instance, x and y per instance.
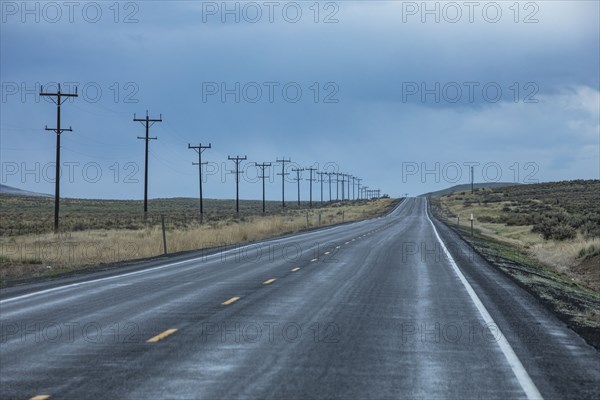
(398, 95)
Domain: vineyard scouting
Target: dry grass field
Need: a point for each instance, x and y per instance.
(557, 224)
(96, 232)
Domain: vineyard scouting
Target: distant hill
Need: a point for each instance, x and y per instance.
(467, 187)
(4, 189)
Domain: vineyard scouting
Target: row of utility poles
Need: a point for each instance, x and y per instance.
(59, 98)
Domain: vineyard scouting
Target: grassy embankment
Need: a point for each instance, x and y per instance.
(545, 236)
(96, 232)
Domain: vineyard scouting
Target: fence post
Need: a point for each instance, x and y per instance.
(163, 233)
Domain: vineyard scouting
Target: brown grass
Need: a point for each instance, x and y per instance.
(562, 256)
(46, 254)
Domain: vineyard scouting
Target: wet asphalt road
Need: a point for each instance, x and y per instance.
(393, 307)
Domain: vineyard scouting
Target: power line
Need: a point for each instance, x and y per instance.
(263, 177)
(147, 122)
(283, 174)
(297, 171)
(237, 160)
(60, 99)
(199, 149)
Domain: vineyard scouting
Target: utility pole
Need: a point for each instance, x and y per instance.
(343, 181)
(321, 179)
(297, 171)
(310, 179)
(337, 186)
(283, 174)
(60, 99)
(329, 174)
(199, 149)
(263, 177)
(147, 122)
(348, 176)
(359, 180)
(237, 160)
(471, 179)
(353, 187)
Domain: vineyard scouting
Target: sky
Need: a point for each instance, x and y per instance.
(405, 95)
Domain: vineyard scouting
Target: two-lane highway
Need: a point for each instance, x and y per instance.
(393, 307)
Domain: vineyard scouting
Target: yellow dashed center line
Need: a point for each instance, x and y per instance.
(41, 397)
(296, 269)
(231, 300)
(268, 282)
(161, 336)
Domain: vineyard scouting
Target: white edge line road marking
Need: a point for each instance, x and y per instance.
(531, 391)
(146, 270)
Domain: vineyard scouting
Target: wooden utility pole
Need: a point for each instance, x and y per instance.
(58, 98)
(199, 149)
(310, 179)
(147, 122)
(237, 160)
(321, 180)
(283, 174)
(298, 179)
(263, 177)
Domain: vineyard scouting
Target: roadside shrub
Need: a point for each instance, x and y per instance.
(554, 226)
(517, 219)
(590, 229)
(492, 197)
(467, 203)
(489, 219)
